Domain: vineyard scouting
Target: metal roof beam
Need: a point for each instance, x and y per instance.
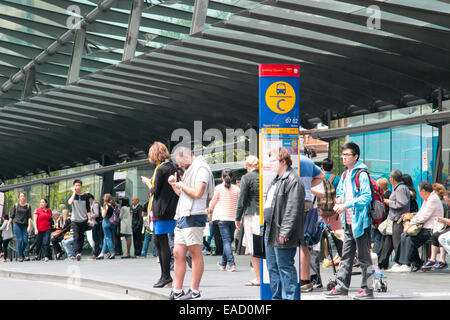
(77, 55)
(199, 16)
(134, 23)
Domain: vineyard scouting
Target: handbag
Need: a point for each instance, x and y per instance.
(259, 250)
(56, 234)
(438, 226)
(385, 227)
(412, 229)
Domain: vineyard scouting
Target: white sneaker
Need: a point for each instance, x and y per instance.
(404, 268)
(394, 268)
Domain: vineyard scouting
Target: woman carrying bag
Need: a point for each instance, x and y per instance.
(163, 203)
(108, 228)
(21, 216)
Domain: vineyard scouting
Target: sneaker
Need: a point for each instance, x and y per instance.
(394, 268)
(363, 295)
(232, 269)
(175, 296)
(45, 259)
(307, 287)
(415, 267)
(78, 256)
(317, 284)
(428, 265)
(190, 295)
(326, 263)
(403, 268)
(440, 266)
(221, 268)
(335, 293)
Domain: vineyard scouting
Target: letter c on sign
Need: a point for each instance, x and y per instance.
(278, 104)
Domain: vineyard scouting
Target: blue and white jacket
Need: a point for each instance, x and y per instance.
(360, 202)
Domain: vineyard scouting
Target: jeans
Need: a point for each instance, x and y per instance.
(22, 238)
(407, 251)
(108, 229)
(147, 239)
(375, 235)
(207, 241)
(67, 244)
(227, 232)
(282, 271)
(43, 240)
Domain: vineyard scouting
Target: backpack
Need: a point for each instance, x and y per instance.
(326, 204)
(376, 208)
(115, 218)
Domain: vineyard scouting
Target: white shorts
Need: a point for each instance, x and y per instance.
(189, 236)
(251, 227)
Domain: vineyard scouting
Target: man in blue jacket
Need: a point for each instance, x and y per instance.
(354, 203)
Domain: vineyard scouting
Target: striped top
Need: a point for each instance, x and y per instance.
(348, 197)
(224, 203)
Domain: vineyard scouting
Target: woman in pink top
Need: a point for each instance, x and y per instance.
(407, 256)
(223, 207)
(43, 229)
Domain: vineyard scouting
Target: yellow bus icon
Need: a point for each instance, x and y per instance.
(280, 97)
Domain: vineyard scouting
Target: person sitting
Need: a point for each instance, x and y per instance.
(444, 239)
(407, 256)
(435, 245)
(62, 227)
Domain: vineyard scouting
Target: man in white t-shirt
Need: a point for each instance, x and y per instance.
(194, 191)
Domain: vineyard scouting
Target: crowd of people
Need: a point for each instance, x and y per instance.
(186, 210)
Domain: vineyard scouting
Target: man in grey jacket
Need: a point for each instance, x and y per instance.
(283, 225)
(399, 203)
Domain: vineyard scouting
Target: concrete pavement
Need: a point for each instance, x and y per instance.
(136, 277)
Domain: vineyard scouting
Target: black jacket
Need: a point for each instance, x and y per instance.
(136, 217)
(285, 217)
(165, 199)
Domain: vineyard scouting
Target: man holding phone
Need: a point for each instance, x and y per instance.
(80, 214)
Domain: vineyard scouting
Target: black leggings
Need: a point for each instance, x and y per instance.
(163, 249)
(5, 248)
(435, 236)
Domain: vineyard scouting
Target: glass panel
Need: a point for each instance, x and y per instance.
(446, 105)
(377, 153)
(427, 108)
(446, 156)
(406, 153)
(406, 112)
(377, 117)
